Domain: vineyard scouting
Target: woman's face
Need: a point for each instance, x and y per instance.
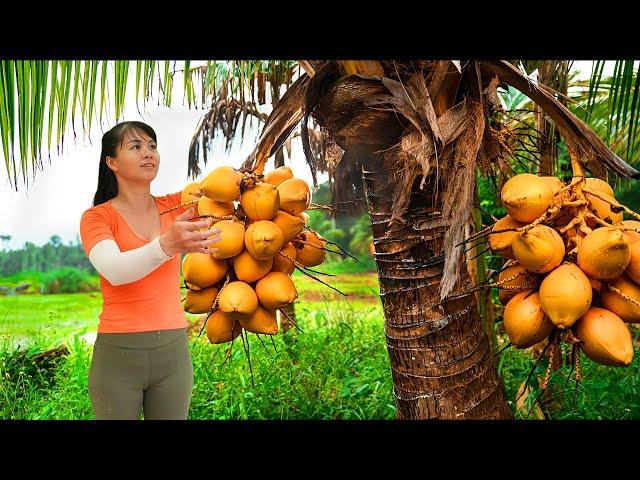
(137, 158)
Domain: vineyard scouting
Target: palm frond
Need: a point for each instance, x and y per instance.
(36, 94)
(623, 89)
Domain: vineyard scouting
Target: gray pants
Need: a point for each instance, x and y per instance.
(143, 370)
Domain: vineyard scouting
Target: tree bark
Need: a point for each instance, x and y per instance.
(440, 356)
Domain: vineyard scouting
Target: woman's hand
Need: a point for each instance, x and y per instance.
(184, 236)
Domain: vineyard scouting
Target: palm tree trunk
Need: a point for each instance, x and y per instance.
(440, 356)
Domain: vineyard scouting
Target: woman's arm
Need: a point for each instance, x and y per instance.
(125, 267)
(119, 267)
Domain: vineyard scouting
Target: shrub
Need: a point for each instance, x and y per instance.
(69, 280)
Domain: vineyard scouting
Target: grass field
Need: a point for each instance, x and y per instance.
(338, 368)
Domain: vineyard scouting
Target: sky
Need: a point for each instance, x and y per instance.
(64, 189)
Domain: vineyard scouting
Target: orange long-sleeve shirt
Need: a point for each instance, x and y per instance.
(150, 303)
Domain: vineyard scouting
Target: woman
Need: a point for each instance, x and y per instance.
(141, 357)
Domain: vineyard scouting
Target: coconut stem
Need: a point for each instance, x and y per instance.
(304, 242)
(573, 360)
(548, 372)
(265, 347)
(297, 264)
(482, 233)
(576, 165)
(228, 353)
(623, 295)
(333, 243)
(502, 349)
(499, 285)
(290, 319)
(578, 376)
(218, 217)
(246, 351)
(617, 205)
(536, 363)
(183, 205)
(479, 254)
(317, 279)
(317, 206)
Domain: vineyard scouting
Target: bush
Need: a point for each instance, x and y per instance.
(69, 280)
(31, 277)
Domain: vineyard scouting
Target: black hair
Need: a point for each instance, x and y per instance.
(107, 181)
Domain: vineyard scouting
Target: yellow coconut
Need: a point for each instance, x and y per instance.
(295, 196)
(263, 239)
(593, 183)
(202, 270)
(289, 225)
(281, 264)
(303, 216)
(510, 289)
(630, 236)
(605, 338)
(602, 209)
(248, 269)
(279, 175)
(276, 290)
(191, 193)
(633, 269)
(309, 255)
(539, 249)
(565, 295)
(222, 184)
(238, 298)
(199, 301)
(500, 243)
(526, 197)
(604, 253)
(222, 327)
(525, 321)
(554, 182)
(262, 320)
(206, 206)
(261, 202)
(232, 239)
(628, 311)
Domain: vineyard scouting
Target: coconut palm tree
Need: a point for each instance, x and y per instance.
(419, 130)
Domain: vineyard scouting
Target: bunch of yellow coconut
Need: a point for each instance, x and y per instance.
(247, 279)
(574, 266)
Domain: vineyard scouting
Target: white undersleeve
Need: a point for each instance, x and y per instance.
(126, 267)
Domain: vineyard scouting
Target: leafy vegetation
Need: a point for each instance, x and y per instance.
(50, 256)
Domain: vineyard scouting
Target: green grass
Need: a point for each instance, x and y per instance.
(25, 316)
(334, 264)
(603, 392)
(337, 368)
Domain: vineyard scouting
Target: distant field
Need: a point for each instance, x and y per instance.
(60, 316)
